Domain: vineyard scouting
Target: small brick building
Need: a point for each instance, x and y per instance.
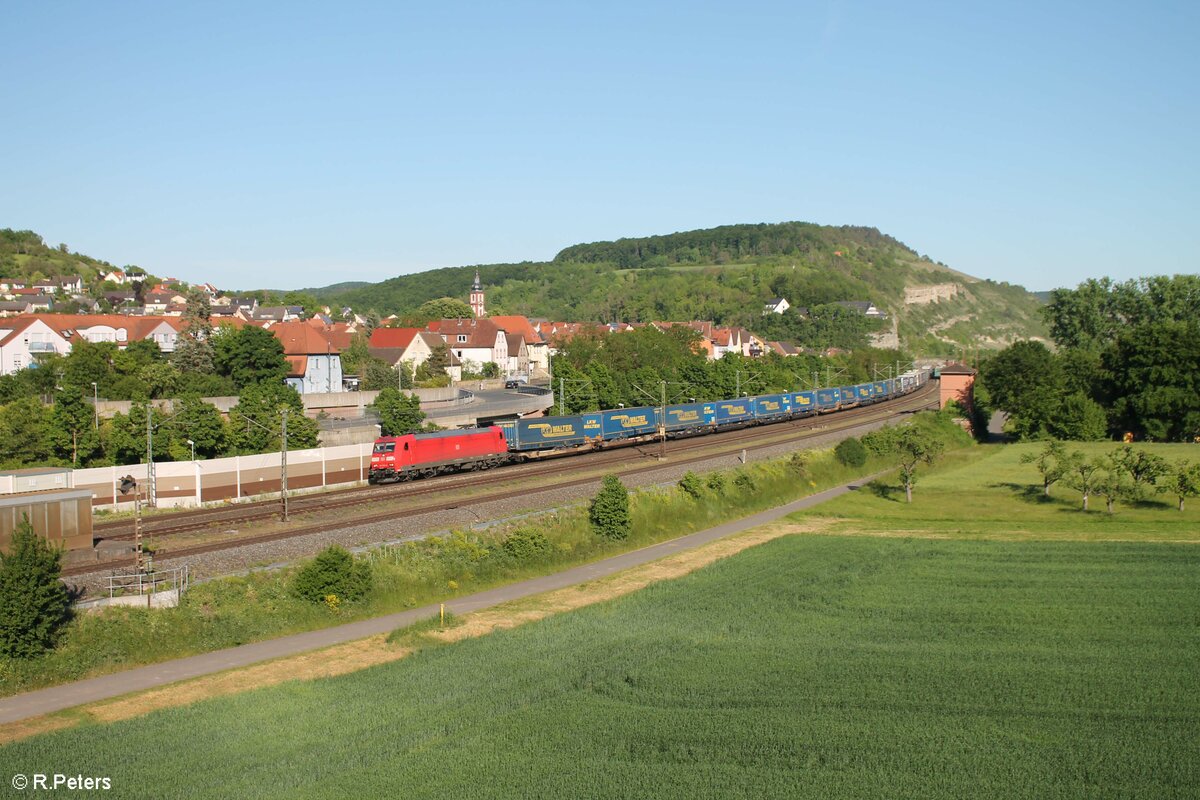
(957, 384)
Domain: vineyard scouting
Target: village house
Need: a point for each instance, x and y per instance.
(776, 305)
(474, 342)
(24, 339)
(314, 362)
(863, 307)
(537, 349)
(15, 308)
(518, 356)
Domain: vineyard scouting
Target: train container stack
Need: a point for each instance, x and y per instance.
(772, 407)
(628, 423)
(691, 418)
(553, 433)
(804, 403)
(731, 413)
(829, 399)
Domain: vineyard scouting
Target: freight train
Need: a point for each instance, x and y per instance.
(423, 455)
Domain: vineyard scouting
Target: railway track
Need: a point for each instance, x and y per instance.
(693, 450)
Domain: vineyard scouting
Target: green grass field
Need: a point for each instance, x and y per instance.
(987, 492)
(812, 666)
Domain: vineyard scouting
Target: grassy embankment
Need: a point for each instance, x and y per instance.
(237, 610)
(816, 665)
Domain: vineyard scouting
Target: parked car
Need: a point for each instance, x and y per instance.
(515, 383)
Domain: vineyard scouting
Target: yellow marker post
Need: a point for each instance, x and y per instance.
(443, 623)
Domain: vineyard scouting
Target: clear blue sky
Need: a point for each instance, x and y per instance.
(292, 144)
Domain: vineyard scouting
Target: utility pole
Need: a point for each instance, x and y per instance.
(96, 405)
(283, 489)
(562, 397)
(151, 493)
(662, 424)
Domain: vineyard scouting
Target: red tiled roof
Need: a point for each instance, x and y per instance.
(479, 332)
(302, 339)
(518, 324)
(297, 366)
(393, 337)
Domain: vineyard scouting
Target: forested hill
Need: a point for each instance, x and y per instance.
(726, 274)
(726, 244)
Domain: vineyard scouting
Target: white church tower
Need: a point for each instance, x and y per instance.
(477, 297)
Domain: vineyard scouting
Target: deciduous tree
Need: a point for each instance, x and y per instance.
(399, 413)
(1183, 482)
(1051, 461)
(249, 356)
(34, 605)
(914, 447)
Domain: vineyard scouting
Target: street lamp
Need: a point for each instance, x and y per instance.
(96, 405)
(192, 445)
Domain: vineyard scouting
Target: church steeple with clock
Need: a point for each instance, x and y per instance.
(477, 297)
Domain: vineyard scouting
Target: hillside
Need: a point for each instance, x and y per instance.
(725, 274)
(24, 255)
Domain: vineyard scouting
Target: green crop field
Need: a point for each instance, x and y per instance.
(812, 666)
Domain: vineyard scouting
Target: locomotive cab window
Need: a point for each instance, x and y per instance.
(406, 445)
(386, 447)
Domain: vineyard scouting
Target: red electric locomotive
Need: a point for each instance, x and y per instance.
(400, 458)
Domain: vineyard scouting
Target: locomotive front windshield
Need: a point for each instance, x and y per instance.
(384, 447)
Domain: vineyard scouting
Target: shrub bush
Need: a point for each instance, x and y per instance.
(716, 482)
(333, 572)
(691, 484)
(798, 463)
(609, 512)
(526, 544)
(882, 441)
(744, 481)
(851, 452)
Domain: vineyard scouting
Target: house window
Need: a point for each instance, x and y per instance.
(462, 338)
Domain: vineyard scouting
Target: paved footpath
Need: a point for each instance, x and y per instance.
(56, 698)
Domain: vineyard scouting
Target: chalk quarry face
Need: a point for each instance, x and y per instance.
(924, 295)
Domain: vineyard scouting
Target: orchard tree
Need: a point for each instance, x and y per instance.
(1114, 485)
(34, 605)
(1183, 482)
(1084, 476)
(1051, 461)
(609, 511)
(1143, 468)
(914, 447)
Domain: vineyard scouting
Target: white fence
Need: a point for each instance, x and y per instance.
(190, 483)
